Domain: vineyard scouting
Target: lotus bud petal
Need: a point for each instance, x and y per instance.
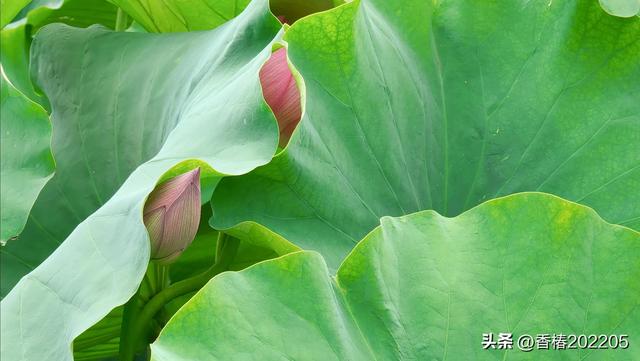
(172, 215)
(281, 93)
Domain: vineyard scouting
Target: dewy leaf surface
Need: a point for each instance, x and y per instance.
(187, 96)
(414, 106)
(426, 287)
(27, 163)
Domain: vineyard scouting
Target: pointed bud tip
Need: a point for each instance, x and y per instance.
(195, 176)
(192, 176)
(172, 215)
(195, 172)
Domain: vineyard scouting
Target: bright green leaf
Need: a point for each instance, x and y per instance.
(413, 106)
(119, 99)
(9, 9)
(14, 56)
(426, 287)
(174, 16)
(178, 15)
(27, 163)
(200, 256)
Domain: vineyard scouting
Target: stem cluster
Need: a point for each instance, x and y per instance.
(140, 324)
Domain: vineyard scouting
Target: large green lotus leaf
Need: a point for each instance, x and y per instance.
(42, 235)
(27, 163)
(426, 287)
(414, 106)
(118, 99)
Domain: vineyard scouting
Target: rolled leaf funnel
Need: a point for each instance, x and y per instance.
(281, 93)
(172, 216)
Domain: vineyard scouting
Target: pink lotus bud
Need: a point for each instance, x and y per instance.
(172, 216)
(281, 93)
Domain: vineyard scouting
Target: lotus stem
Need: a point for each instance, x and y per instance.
(139, 322)
(121, 20)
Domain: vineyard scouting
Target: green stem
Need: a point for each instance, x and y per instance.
(222, 241)
(162, 276)
(129, 341)
(139, 325)
(107, 335)
(148, 284)
(121, 20)
(96, 355)
(228, 251)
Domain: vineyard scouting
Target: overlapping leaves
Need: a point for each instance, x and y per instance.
(426, 287)
(178, 15)
(27, 163)
(174, 16)
(17, 37)
(413, 106)
(119, 99)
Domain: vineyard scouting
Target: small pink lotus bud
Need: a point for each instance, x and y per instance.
(281, 93)
(172, 215)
